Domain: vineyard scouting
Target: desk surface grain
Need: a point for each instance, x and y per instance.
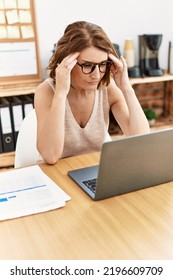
(137, 225)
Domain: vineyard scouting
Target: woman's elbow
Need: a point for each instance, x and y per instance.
(50, 157)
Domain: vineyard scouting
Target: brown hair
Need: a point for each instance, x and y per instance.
(77, 37)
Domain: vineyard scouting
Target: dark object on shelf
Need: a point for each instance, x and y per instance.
(134, 72)
(170, 58)
(117, 48)
(149, 45)
(6, 133)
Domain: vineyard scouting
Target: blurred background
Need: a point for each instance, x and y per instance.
(120, 19)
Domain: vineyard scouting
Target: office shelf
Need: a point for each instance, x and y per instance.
(154, 92)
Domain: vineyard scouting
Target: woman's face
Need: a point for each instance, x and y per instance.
(87, 58)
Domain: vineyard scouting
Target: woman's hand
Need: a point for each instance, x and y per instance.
(119, 72)
(63, 73)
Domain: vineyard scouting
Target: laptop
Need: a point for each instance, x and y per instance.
(129, 164)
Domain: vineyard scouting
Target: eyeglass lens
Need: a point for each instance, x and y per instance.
(90, 67)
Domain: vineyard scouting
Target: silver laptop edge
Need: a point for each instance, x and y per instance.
(129, 164)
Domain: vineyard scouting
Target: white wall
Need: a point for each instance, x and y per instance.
(120, 19)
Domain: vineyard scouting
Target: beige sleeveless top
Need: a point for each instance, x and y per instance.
(90, 138)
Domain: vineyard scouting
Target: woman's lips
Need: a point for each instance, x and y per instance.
(93, 82)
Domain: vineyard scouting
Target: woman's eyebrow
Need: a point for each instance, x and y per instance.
(86, 61)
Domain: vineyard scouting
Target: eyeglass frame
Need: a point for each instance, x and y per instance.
(108, 65)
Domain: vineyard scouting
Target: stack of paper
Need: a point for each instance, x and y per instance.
(28, 191)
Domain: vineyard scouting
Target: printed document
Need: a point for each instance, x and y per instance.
(28, 191)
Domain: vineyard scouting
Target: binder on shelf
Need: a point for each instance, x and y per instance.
(27, 104)
(16, 115)
(6, 126)
(1, 147)
(32, 97)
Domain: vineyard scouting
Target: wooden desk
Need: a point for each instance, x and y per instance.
(137, 225)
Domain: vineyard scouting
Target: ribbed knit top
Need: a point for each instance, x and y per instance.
(89, 139)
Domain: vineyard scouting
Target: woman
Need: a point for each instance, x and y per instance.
(87, 80)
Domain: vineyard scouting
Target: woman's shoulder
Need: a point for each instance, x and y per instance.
(50, 81)
(108, 88)
(44, 93)
(47, 84)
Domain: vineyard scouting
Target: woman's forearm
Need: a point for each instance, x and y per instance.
(137, 120)
(50, 138)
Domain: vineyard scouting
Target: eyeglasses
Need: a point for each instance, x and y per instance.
(88, 68)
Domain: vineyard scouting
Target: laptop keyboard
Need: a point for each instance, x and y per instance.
(91, 184)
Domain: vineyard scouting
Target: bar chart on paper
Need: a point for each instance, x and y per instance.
(28, 191)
